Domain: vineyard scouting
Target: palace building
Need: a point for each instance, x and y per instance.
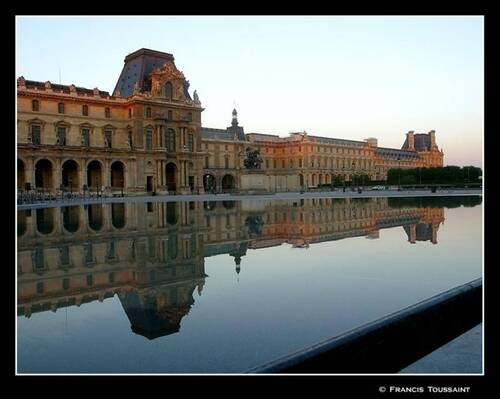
(147, 137)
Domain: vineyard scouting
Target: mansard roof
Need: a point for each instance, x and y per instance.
(216, 134)
(394, 153)
(137, 68)
(422, 142)
(66, 89)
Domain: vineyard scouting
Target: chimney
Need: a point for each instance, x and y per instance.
(372, 141)
(411, 140)
(432, 134)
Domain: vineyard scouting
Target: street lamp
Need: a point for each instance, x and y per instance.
(343, 177)
(353, 176)
(399, 174)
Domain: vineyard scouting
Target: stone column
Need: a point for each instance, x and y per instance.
(82, 174)
(57, 174)
(107, 175)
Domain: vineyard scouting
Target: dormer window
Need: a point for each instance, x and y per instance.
(168, 90)
(60, 108)
(85, 110)
(35, 105)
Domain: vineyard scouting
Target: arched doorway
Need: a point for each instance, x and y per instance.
(117, 175)
(118, 215)
(95, 216)
(21, 223)
(170, 176)
(94, 176)
(21, 174)
(70, 177)
(171, 213)
(43, 174)
(209, 183)
(71, 218)
(227, 183)
(45, 220)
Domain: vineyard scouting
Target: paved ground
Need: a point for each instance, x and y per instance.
(228, 197)
(462, 355)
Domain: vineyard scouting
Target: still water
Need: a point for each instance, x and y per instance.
(222, 287)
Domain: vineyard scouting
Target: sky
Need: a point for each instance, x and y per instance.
(343, 77)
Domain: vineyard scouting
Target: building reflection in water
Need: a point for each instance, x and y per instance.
(152, 255)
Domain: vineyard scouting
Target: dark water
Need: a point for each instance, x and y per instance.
(226, 286)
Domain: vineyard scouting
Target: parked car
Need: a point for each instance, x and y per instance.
(378, 188)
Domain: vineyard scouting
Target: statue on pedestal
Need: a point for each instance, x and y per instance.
(253, 159)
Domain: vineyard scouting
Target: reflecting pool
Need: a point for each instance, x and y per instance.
(222, 287)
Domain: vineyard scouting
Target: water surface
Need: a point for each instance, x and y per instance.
(219, 287)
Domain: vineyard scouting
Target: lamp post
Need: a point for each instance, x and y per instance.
(343, 177)
(353, 176)
(399, 174)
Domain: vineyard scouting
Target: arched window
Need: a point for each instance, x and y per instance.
(60, 108)
(148, 112)
(85, 110)
(35, 105)
(168, 90)
(107, 112)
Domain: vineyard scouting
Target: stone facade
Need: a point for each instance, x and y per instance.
(147, 137)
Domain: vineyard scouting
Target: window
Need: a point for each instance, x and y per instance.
(191, 142)
(108, 137)
(61, 135)
(130, 113)
(226, 162)
(300, 162)
(274, 164)
(39, 288)
(35, 105)
(169, 116)
(35, 134)
(267, 163)
(168, 90)
(190, 117)
(88, 251)
(206, 162)
(90, 280)
(85, 110)
(111, 277)
(107, 112)
(65, 284)
(149, 139)
(60, 108)
(86, 137)
(170, 140)
(130, 142)
(283, 164)
(64, 255)
(148, 112)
